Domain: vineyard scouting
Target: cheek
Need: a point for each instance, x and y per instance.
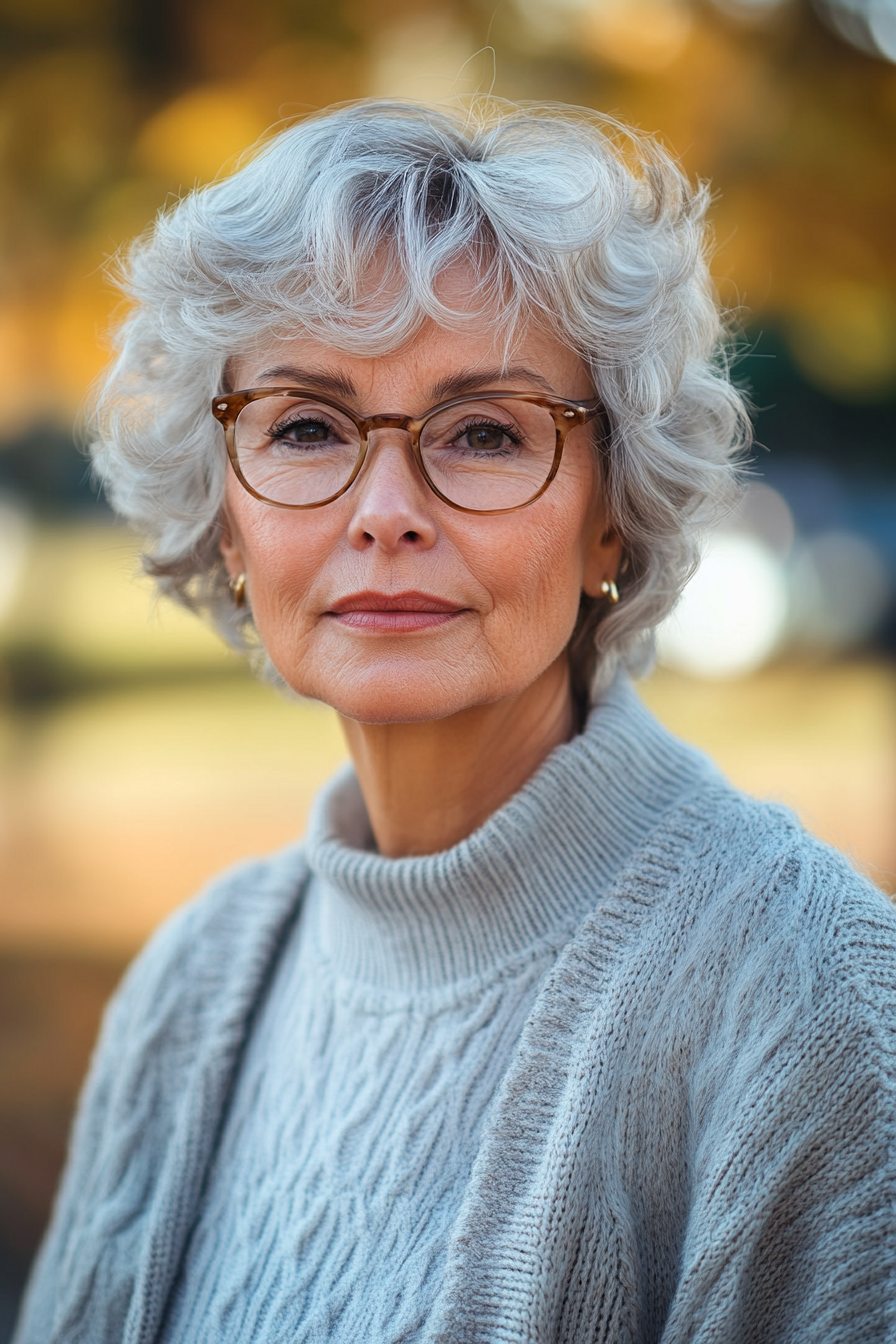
(283, 554)
(521, 572)
(535, 578)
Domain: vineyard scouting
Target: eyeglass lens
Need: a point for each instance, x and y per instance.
(480, 454)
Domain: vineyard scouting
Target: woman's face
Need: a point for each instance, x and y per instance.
(502, 591)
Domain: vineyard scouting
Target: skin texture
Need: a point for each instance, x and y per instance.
(446, 714)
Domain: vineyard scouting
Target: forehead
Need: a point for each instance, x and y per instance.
(437, 363)
(390, 341)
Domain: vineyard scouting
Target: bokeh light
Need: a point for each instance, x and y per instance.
(869, 25)
(763, 589)
(840, 588)
(731, 616)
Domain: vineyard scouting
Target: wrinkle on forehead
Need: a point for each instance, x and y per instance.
(426, 377)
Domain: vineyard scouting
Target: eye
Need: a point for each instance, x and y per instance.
(305, 430)
(487, 437)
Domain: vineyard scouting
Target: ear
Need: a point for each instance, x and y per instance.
(231, 553)
(603, 556)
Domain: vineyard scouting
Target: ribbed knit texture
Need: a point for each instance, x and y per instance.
(621, 1067)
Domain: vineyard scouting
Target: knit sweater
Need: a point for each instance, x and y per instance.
(359, 1107)
(683, 1129)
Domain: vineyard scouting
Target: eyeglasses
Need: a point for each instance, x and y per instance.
(491, 453)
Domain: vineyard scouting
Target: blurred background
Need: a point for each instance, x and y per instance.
(136, 756)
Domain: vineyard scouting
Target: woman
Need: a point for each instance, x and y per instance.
(545, 1033)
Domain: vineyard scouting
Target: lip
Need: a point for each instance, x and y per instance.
(393, 612)
(409, 601)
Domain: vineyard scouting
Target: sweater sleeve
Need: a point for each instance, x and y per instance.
(150, 1108)
(96, 1137)
(791, 1229)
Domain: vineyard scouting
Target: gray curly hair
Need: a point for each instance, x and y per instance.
(571, 221)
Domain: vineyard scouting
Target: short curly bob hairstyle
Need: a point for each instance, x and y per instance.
(569, 220)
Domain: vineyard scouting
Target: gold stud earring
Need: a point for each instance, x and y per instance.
(237, 588)
(610, 591)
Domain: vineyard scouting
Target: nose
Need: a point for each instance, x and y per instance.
(392, 505)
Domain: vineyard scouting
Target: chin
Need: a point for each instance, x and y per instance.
(390, 704)
(394, 695)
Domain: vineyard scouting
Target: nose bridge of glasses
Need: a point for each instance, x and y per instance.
(387, 421)
(405, 424)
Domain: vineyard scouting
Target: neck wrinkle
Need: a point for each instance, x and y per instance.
(523, 879)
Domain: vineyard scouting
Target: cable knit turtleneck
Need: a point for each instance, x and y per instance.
(388, 1027)
(619, 1068)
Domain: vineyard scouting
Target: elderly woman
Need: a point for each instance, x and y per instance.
(544, 1033)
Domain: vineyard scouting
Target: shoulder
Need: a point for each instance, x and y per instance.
(215, 937)
(732, 928)
(152, 1103)
(759, 927)
(202, 968)
(237, 903)
(728, 851)
(178, 1019)
(765, 1025)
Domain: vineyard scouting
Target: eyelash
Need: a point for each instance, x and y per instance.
(285, 424)
(511, 432)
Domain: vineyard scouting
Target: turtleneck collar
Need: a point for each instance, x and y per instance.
(522, 879)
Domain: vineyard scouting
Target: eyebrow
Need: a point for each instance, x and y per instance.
(480, 380)
(321, 380)
(451, 385)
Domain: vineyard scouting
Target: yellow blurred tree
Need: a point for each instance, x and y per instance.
(109, 108)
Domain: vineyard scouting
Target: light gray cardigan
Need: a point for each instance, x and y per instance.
(694, 1141)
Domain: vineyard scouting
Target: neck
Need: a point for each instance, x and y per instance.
(427, 786)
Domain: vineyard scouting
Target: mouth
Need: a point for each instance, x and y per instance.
(393, 612)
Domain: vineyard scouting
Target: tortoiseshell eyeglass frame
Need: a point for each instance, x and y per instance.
(566, 416)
